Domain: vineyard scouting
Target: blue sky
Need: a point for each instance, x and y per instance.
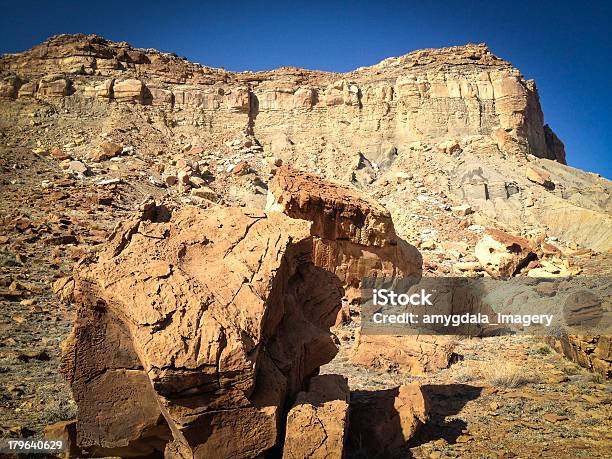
(565, 46)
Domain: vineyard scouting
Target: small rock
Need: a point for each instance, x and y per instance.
(539, 176)
(59, 154)
(429, 244)
(197, 181)
(401, 177)
(105, 151)
(204, 192)
(78, 168)
(183, 176)
(464, 209)
(171, 180)
(241, 168)
(550, 417)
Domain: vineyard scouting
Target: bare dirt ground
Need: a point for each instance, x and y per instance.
(504, 397)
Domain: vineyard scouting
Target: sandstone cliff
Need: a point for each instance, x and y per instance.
(458, 120)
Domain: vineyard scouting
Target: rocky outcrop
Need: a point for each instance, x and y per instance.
(337, 212)
(591, 352)
(200, 320)
(130, 90)
(211, 320)
(502, 254)
(353, 236)
(440, 94)
(472, 108)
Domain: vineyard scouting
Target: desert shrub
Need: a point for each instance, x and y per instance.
(571, 370)
(506, 375)
(597, 378)
(466, 374)
(542, 349)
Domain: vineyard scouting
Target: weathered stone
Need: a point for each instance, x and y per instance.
(105, 151)
(539, 176)
(103, 90)
(171, 180)
(591, 352)
(449, 147)
(205, 193)
(64, 431)
(241, 168)
(415, 355)
(130, 90)
(219, 382)
(317, 422)
(337, 211)
(78, 168)
(64, 289)
(53, 86)
(59, 154)
(502, 254)
(27, 89)
(463, 209)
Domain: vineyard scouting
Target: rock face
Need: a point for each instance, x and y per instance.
(317, 422)
(442, 94)
(353, 235)
(591, 352)
(210, 320)
(337, 212)
(471, 108)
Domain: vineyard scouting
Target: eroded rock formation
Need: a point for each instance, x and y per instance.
(212, 320)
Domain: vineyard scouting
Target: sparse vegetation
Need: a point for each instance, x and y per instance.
(542, 349)
(571, 370)
(59, 411)
(507, 375)
(466, 374)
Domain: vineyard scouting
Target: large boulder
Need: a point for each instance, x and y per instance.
(205, 321)
(353, 235)
(53, 86)
(337, 211)
(211, 321)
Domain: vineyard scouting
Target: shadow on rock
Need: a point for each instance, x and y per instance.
(382, 422)
(444, 401)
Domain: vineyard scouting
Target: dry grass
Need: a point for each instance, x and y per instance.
(507, 375)
(466, 373)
